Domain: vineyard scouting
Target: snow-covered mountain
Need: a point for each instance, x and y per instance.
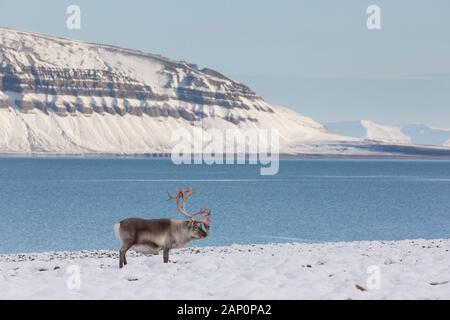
(422, 134)
(384, 133)
(417, 134)
(64, 96)
(61, 96)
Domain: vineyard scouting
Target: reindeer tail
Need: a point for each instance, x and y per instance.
(117, 231)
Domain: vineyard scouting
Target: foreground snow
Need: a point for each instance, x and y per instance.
(409, 269)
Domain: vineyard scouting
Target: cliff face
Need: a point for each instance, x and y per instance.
(52, 74)
(69, 97)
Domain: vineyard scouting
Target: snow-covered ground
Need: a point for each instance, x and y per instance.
(409, 269)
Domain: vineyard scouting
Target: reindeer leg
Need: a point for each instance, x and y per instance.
(166, 255)
(122, 253)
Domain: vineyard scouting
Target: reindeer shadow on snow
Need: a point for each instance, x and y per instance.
(151, 236)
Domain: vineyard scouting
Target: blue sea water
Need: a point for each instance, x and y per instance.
(49, 204)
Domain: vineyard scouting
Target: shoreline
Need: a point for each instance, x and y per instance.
(407, 269)
(283, 156)
(101, 253)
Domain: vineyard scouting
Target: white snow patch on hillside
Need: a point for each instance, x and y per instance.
(409, 269)
(136, 67)
(384, 133)
(53, 52)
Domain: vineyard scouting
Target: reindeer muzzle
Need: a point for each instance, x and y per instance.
(204, 228)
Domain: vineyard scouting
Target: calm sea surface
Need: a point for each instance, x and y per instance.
(51, 204)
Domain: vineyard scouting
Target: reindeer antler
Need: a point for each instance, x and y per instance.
(181, 197)
(206, 213)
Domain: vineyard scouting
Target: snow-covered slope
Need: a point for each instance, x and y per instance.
(422, 134)
(417, 134)
(370, 130)
(39, 132)
(384, 133)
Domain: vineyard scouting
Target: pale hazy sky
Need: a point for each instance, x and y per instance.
(315, 56)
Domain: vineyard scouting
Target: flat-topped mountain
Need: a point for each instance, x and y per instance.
(60, 96)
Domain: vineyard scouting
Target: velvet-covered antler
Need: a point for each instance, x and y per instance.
(207, 216)
(181, 198)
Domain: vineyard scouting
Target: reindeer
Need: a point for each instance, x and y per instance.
(152, 236)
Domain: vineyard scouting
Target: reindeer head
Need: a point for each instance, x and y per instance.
(198, 228)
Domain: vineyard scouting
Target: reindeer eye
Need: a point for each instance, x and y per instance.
(196, 227)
